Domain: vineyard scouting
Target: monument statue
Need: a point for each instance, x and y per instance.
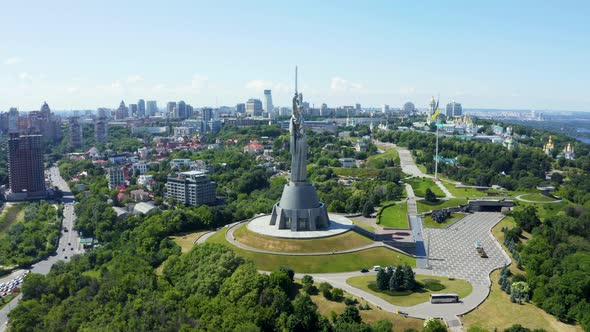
(298, 145)
(299, 208)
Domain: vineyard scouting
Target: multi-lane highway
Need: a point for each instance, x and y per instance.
(69, 241)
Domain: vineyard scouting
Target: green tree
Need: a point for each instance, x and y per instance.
(434, 325)
(368, 209)
(397, 279)
(383, 279)
(409, 278)
(350, 315)
(429, 196)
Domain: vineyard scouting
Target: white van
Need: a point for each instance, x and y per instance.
(376, 268)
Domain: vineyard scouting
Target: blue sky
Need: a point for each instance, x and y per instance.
(493, 54)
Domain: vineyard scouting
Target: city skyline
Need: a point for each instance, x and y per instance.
(501, 55)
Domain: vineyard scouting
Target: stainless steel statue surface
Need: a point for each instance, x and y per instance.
(298, 142)
(299, 208)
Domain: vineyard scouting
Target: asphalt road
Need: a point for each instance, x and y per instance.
(69, 242)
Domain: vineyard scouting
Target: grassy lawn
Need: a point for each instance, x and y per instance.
(424, 206)
(546, 210)
(321, 263)
(538, 197)
(498, 312)
(5, 300)
(12, 213)
(356, 172)
(395, 216)
(463, 192)
(377, 161)
(369, 316)
(421, 184)
(430, 223)
(408, 299)
(186, 240)
(363, 225)
(348, 240)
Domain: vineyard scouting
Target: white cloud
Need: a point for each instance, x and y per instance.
(259, 85)
(25, 77)
(199, 82)
(339, 84)
(134, 78)
(116, 85)
(12, 61)
(73, 90)
(407, 91)
(158, 87)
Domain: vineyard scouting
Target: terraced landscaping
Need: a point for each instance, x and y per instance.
(421, 184)
(348, 240)
(395, 216)
(319, 263)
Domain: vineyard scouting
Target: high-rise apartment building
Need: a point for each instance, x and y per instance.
(170, 108)
(141, 108)
(241, 108)
(101, 126)
(122, 112)
(181, 109)
(191, 188)
(151, 108)
(75, 133)
(268, 107)
(454, 109)
(133, 110)
(42, 122)
(25, 165)
(254, 107)
(207, 114)
(13, 120)
(116, 177)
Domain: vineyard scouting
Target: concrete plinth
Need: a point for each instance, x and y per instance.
(300, 209)
(338, 225)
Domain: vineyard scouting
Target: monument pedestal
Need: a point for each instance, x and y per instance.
(300, 209)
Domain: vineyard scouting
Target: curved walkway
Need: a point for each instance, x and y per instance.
(519, 197)
(409, 167)
(451, 254)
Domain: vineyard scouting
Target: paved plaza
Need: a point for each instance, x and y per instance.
(452, 249)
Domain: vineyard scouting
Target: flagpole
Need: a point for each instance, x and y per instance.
(436, 158)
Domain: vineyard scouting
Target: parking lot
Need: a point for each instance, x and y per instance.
(453, 253)
(11, 284)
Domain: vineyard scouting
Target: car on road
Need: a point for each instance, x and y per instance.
(364, 270)
(376, 268)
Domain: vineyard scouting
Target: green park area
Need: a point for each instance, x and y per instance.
(383, 160)
(394, 216)
(419, 185)
(497, 312)
(11, 214)
(348, 240)
(430, 223)
(356, 172)
(371, 316)
(430, 284)
(537, 197)
(463, 192)
(425, 206)
(187, 240)
(363, 225)
(319, 263)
